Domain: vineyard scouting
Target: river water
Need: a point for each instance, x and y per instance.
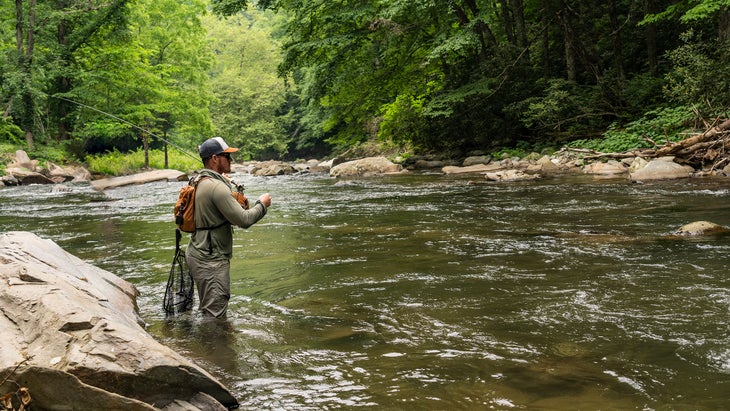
(435, 292)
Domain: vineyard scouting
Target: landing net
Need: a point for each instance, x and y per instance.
(179, 290)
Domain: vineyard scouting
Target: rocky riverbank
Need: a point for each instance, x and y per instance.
(637, 167)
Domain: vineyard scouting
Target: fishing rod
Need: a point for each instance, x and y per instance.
(182, 150)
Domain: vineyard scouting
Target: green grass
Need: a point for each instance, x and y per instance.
(116, 164)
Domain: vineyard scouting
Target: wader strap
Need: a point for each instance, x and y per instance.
(210, 239)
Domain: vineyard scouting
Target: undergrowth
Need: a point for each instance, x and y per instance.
(116, 163)
(657, 126)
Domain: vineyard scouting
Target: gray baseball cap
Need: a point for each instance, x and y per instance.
(214, 146)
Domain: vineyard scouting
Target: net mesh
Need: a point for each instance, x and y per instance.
(179, 290)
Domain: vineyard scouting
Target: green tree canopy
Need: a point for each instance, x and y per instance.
(244, 80)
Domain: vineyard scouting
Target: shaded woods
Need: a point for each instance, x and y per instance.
(285, 79)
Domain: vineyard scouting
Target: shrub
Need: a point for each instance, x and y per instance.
(661, 125)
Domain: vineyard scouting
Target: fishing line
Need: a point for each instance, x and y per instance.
(182, 150)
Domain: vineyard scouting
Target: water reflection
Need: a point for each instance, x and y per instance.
(211, 338)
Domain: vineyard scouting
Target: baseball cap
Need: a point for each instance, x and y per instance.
(214, 146)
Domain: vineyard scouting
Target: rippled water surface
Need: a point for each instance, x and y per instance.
(435, 292)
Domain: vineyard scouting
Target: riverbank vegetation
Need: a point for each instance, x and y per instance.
(91, 81)
(116, 163)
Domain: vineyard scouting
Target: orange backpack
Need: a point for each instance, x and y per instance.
(185, 205)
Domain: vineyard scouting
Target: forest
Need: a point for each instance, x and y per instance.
(287, 79)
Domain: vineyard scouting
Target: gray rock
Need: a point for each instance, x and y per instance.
(698, 228)
(69, 173)
(610, 167)
(26, 177)
(547, 166)
(274, 169)
(427, 164)
(21, 157)
(9, 180)
(475, 169)
(472, 160)
(660, 169)
(140, 178)
(326, 164)
(510, 175)
(76, 333)
(365, 166)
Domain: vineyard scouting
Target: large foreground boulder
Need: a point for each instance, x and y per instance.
(73, 338)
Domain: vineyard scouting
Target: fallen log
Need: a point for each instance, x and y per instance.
(691, 141)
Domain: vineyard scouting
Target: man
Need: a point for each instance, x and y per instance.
(210, 249)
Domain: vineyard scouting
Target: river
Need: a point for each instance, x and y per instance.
(435, 292)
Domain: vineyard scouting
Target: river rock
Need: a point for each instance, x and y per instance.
(27, 177)
(21, 157)
(327, 163)
(699, 228)
(546, 166)
(73, 337)
(22, 162)
(475, 169)
(309, 166)
(510, 175)
(9, 180)
(273, 168)
(423, 164)
(27, 171)
(69, 173)
(660, 169)
(472, 160)
(610, 167)
(365, 166)
(140, 178)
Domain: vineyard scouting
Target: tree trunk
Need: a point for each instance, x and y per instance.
(547, 67)
(484, 33)
(618, 60)
(651, 47)
(518, 13)
(28, 100)
(509, 29)
(569, 42)
(25, 62)
(724, 25)
(146, 145)
(19, 29)
(63, 83)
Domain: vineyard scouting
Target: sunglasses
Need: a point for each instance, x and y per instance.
(226, 155)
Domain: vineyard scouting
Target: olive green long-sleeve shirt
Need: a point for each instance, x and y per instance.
(216, 207)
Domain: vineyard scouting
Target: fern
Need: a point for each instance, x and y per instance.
(665, 124)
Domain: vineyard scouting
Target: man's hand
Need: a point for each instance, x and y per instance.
(265, 199)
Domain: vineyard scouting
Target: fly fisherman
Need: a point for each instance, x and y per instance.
(209, 252)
